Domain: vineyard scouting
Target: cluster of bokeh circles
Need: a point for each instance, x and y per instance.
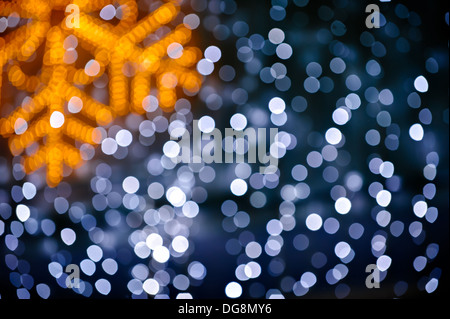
(362, 119)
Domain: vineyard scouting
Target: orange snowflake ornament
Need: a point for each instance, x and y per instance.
(134, 54)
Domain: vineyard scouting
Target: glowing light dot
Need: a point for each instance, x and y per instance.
(421, 84)
(75, 104)
(22, 212)
(308, 279)
(180, 244)
(175, 50)
(205, 67)
(277, 105)
(420, 208)
(191, 21)
(190, 209)
(213, 53)
(333, 136)
(161, 254)
(276, 36)
(28, 190)
(238, 121)
(206, 124)
(416, 132)
(176, 196)
(383, 262)
(124, 138)
(56, 119)
(233, 290)
(342, 249)
(384, 198)
(20, 126)
(68, 236)
(108, 12)
(103, 286)
(284, 51)
(153, 241)
(94, 252)
(431, 285)
(130, 184)
(238, 187)
(171, 149)
(313, 222)
(387, 169)
(92, 68)
(343, 205)
(151, 286)
(109, 146)
(341, 116)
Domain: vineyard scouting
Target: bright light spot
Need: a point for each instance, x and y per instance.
(213, 53)
(238, 187)
(175, 50)
(94, 252)
(171, 149)
(110, 266)
(103, 286)
(431, 285)
(109, 146)
(383, 198)
(56, 119)
(150, 103)
(420, 208)
(154, 241)
(233, 290)
(253, 249)
(387, 169)
(238, 121)
(161, 254)
(308, 279)
(190, 209)
(284, 51)
(92, 68)
(176, 196)
(352, 101)
(276, 36)
(191, 21)
(130, 184)
(383, 262)
(68, 236)
(277, 105)
(205, 67)
(421, 84)
(343, 205)
(196, 270)
(28, 190)
(333, 136)
(313, 222)
(22, 212)
(274, 227)
(151, 286)
(206, 124)
(108, 12)
(252, 269)
(124, 138)
(88, 267)
(416, 132)
(20, 126)
(180, 244)
(75, 104)
(341, 116)
(342, 249)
